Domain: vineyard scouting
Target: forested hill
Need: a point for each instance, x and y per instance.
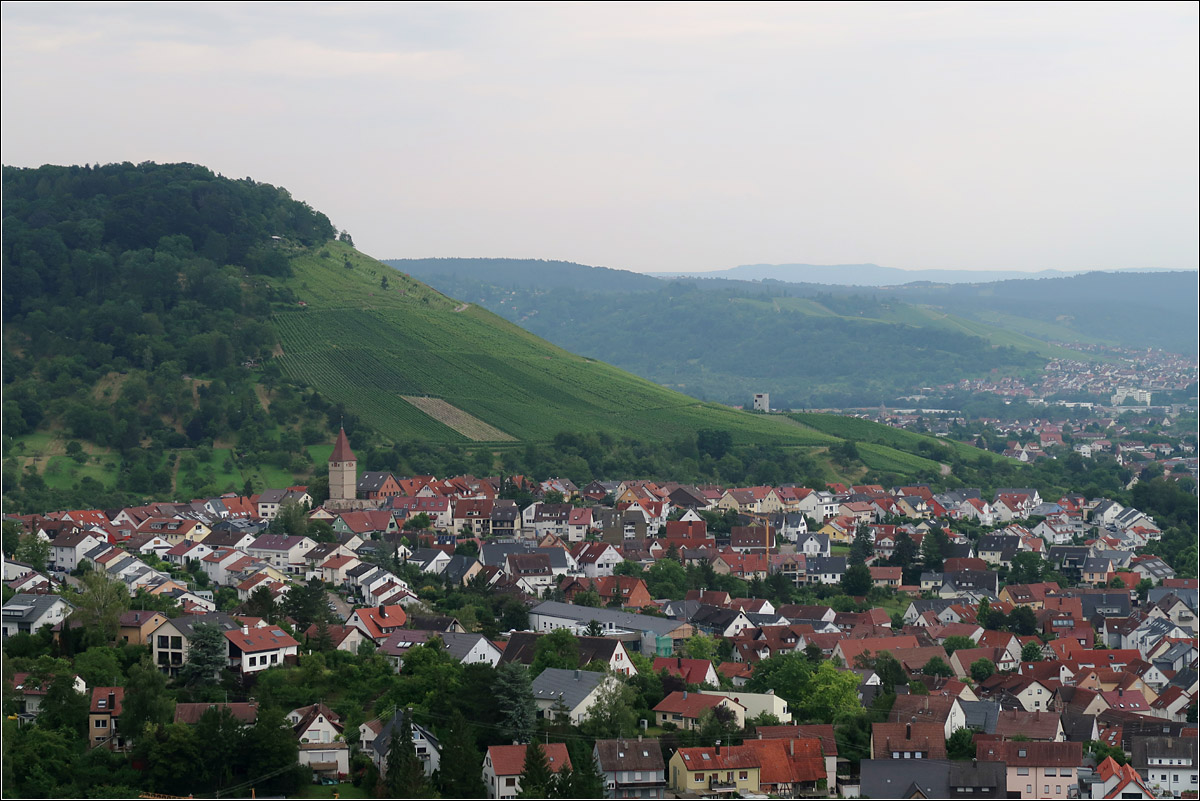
(137, 309)
(172, 333)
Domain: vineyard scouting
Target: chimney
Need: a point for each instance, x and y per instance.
(792, 747)
(112, 703)
(908, 731)
(245, 629)
(718, 747)
(639, 738)
(685, 695)
(578, 673)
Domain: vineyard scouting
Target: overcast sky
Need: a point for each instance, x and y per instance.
(651, 137)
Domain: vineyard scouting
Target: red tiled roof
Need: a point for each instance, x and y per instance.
(270, 638)
(100, 700)
(341, 449)
(690, 705)
(509, 760)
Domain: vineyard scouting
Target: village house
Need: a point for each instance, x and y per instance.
(504, 764)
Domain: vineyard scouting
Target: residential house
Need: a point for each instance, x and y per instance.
(322, 745)
(1036, 770)
(377, 622)
(254, 649)
(715, 769)
(284, 553)
(631, 768)
(692, 671)
(27, 613)
(103, 718)
(1167, 764)
(136, 625)
(170, 643)
(504, 764)
(375, 739)
(684, 709)
(570, 693)
(908, 741)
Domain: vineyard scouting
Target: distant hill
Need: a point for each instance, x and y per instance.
(529, 273)
(866, 274)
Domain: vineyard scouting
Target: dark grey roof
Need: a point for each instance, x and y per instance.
(458, 566)
(187, 623)
(1077, 727)
(383, 740)
(905, 778)
(1145, 748)
(1185, 594)
(624, 620)
(372, 480)
(825, 564)
(571, 685)
(987, 779)
(981, 715)
(616, 755)
(27, 607)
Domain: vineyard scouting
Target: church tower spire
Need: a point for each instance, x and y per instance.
(343, 470)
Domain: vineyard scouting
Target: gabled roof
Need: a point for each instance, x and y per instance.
(691, 705)
(191, 713)
(107, 701)
(509, 760)
(251, 641)
(623, 754)
(572, 686)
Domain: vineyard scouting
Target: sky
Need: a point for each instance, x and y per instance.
(651, 137)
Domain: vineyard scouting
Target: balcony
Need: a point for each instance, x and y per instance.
(718, 786)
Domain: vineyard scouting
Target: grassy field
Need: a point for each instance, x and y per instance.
(367, 346)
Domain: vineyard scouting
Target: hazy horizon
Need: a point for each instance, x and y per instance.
(652, 137)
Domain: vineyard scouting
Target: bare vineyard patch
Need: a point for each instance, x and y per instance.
(470, 427)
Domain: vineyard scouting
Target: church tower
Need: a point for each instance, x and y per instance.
(343, 470)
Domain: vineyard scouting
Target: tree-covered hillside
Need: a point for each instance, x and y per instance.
(136, 311)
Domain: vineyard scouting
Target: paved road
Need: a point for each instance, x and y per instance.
(341, 608)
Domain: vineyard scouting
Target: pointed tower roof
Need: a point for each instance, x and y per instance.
(341, 449)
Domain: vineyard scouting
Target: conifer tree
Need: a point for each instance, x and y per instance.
(514, 697)
(459, 776)
(536, 779)
(404, 776)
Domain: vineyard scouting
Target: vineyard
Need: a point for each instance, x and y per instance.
(881, 457)
(366, 346)
(859, 430)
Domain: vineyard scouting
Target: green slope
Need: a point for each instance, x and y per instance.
(368, 347)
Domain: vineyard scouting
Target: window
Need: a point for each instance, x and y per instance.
(102, 723)
(744, 775)
(162, 641)
(1050, 772)
(1022, 771)
(699, 777)
(1058, 789)
(511, 781)
(1047, 789)
(1029, 788)
(177, 642)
